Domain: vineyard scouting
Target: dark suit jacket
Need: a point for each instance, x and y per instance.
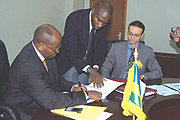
(75, 42)
(30, 86)
(116, 61)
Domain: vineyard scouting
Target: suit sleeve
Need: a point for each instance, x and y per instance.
(33, 82)
(153, 66)
(70, 43)
(108, 64)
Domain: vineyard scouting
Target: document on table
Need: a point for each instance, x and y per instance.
(174, 86)
(163, 90)
(109, 86)
(88, 113)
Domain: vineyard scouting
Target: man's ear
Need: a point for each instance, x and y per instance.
(142, 35)
(41, 46)
(93, 10)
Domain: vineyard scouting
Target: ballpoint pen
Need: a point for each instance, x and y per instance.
(80, 85)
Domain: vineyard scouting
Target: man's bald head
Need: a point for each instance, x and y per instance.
(105, 6)
(47, 40)
(44, 33)
(101, 14)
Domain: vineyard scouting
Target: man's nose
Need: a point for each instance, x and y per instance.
(100, 24)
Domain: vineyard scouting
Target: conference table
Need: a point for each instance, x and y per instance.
(156, 107)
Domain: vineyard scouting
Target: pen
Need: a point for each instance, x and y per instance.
(80, 86)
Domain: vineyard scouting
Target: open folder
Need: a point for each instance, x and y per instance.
(87, 113)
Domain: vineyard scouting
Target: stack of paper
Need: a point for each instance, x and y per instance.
(163, 90)
(88, 112)
(174, 86)
(109, 86)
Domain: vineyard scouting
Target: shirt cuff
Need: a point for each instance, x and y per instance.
(96, 66)
(85, 68)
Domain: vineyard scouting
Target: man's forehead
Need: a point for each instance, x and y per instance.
(135, 29)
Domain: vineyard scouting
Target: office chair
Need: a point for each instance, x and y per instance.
(110, 42)
(4, 69)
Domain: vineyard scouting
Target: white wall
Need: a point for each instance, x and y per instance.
(158, 16)
(19, 19)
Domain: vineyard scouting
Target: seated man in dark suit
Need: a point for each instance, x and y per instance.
(33, 78)
(116, 62)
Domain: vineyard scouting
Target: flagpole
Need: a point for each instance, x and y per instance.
(135, 55)
(133, 117)
(135, 58)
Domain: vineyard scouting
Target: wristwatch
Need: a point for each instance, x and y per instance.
(143, 77)
(88, 69)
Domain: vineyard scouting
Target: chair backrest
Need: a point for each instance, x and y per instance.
(169, 64)
(8, 110)
(110, 42)
(4, 70)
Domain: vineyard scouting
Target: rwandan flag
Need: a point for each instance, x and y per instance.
(132, 98)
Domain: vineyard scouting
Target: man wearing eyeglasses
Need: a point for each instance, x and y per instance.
(33, 78)
(118, 58)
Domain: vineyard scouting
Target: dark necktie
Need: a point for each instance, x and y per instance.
(89, 54)
(130, 62)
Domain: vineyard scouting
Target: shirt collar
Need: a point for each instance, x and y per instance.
(90, 22)
(129, 45)
(38, 53)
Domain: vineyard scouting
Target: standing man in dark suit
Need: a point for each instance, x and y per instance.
(76, 60)
(33, 78)
(116, 62)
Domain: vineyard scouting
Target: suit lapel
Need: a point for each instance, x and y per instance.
(50, 70)
(140, 52)
(87, 22)
(36, 60)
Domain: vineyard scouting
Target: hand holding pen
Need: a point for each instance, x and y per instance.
(79, 87)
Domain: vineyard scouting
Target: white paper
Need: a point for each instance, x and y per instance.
(173, 85)
(162, 90)
(109, 86)
(104, 116)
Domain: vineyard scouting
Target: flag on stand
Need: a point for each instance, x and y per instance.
(132, 98)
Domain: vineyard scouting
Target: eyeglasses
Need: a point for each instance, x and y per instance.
(56, 50)
(135, 35)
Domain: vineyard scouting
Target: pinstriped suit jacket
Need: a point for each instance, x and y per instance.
(116, 61)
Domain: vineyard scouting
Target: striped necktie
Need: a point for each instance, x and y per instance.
(130, 62)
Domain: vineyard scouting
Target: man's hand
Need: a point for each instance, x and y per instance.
(97, 78)
(142, 77)
(94, 95)
(79, 88)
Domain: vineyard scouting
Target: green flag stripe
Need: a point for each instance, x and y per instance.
(135, 99)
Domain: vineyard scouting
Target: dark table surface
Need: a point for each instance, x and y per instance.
(156, 107)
